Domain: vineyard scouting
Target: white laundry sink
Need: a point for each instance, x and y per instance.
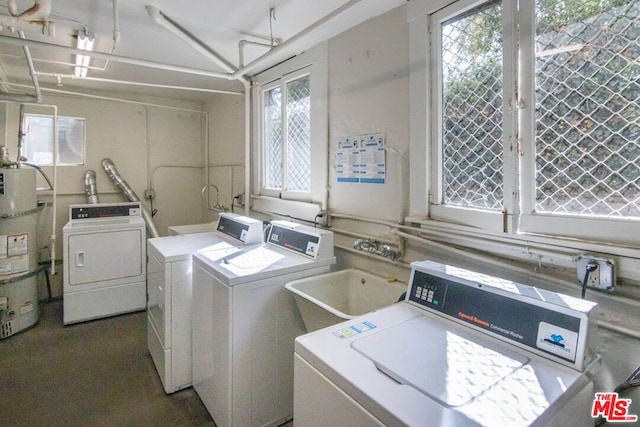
(331, 298)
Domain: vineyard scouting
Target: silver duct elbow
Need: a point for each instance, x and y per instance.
(128, 192)
(90, 188)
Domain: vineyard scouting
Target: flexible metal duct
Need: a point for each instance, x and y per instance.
(128, 192)
(90, 188)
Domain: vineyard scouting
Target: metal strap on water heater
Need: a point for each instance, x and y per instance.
(22, 276)
(24, 213)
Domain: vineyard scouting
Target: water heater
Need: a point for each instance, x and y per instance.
(18, 250)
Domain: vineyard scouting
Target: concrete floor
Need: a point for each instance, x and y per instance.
(95, 373)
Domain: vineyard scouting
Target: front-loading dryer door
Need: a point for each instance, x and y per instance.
(103, 256)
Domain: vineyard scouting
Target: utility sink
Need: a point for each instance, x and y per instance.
(331, 298)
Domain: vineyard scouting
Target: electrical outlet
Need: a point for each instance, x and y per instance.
(603, 276)
(323, 218)
(149, 194)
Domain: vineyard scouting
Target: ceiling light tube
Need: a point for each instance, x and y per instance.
(85, 42)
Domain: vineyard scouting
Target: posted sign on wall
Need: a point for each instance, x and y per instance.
(361, 159)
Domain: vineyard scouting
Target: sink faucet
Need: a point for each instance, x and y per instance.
(216, 206)
(371, 246)
(388, 252)
(367, 245)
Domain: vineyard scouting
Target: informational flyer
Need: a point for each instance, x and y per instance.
(361, 159)
(347, 160)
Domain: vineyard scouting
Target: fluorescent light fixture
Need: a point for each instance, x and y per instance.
(85, 42)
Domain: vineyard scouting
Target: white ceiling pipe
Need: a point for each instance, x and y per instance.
(243, 43)
(253, 65)
(35, 15)
(32, 70)
(48, 61)
(39, 11)
(115, 58)
(14, 24)
(131, 83)
(171, 25)
(201, 47)
(116, 25)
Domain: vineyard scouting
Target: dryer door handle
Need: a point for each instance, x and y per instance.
(79, 259)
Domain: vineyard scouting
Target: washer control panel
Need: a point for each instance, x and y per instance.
(311, 242)
(244, 229)
(553, 325)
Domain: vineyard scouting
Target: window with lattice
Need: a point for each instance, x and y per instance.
(287, 135)
(536, 113)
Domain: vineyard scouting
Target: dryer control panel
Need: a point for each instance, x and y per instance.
(104, 210)
(553, 325)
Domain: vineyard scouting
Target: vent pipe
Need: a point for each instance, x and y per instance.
(90, 188)
(128, 192)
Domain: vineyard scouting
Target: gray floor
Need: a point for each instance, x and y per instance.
(95, 373)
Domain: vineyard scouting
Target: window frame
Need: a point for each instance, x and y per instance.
(518, 217)
(56, 160)
(619, 230)
(314, 63)
(281, 193)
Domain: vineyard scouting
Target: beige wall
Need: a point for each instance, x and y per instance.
(226, 149)
(148, 145)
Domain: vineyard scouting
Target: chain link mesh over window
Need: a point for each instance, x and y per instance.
(472, 109)
(299, 135)
(273, 138)
(588, 108)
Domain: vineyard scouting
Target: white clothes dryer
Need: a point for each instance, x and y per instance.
(244, 324)
(463, 349)
(170, 289)
(104, 251)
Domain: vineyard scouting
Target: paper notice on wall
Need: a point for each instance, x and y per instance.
(347, 163)
(373, 166)
(361, 159)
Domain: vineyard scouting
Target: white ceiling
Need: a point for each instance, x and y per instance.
(219, 24)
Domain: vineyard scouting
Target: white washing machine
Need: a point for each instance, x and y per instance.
(463, 349)
(244, 324)
(104, 251)
(169, 288)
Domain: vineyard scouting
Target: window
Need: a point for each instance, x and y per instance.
(536, 117)
(287, 135)
(290, 117)
(38, 141)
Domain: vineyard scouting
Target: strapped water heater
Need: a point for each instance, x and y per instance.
(18, 250)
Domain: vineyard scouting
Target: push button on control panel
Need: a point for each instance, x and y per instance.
(427, 292)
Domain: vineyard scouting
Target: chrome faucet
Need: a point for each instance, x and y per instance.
(216, 206)
(366, 245)
(371, 246)
(388, 252)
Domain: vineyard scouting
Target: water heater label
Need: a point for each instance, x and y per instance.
(14, 265)
(18, 244)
